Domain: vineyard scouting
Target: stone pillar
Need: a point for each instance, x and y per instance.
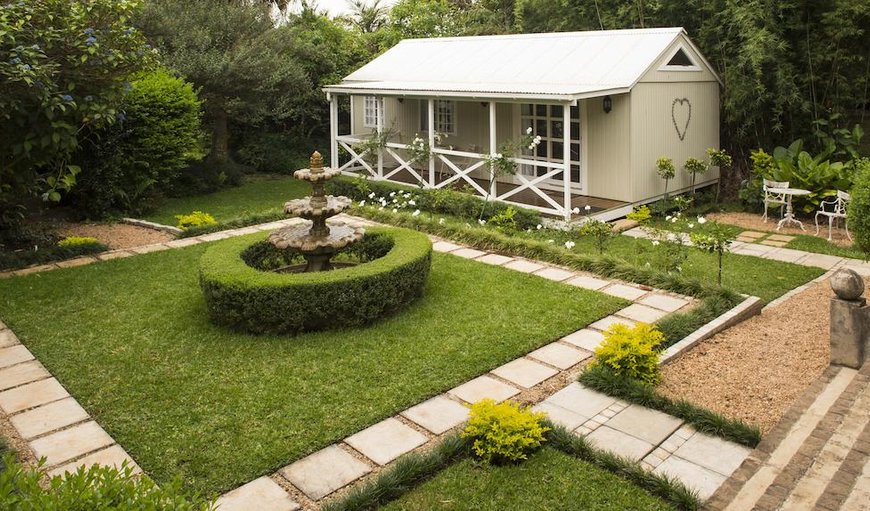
(850, 320)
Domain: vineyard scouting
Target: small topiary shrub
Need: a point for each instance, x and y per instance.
(859, 208)
(77, 241)
(504, 432)
(98, 487)
(631, 352)
(241, 293)
(195, 220)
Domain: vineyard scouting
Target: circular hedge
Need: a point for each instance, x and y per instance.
(249, 299)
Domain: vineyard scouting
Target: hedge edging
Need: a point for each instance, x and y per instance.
(243, 298)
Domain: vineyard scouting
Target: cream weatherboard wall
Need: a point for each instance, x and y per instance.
(609, 148)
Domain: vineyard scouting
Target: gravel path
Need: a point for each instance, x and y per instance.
(755, 370)
(753, 222)
(115, 235)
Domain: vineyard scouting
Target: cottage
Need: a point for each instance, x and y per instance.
(605, 104)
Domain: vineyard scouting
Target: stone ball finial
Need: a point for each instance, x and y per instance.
(316, 162)
(847, 284)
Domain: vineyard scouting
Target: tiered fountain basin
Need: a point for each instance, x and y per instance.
(247, 288)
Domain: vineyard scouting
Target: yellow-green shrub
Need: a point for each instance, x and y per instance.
(504, 431)
(77, 241)
(195, 219)
(631, 351)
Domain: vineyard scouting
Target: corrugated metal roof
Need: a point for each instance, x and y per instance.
(561, 65)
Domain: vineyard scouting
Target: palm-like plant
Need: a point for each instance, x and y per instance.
(367, 17)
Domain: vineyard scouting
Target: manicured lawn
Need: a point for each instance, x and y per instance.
(550, 480)
(130, 339)
(259, 194)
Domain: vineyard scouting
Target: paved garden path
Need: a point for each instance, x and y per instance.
(55, 426)
(817, 457)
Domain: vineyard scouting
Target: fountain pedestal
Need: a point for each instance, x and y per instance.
(317, 240)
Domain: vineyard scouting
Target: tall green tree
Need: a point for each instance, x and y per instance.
(231, 50)
(64, 66)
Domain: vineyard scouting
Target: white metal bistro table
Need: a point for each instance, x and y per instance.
(789, 212)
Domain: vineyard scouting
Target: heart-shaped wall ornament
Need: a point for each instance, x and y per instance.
(681, 114)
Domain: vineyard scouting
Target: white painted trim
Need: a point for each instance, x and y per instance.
(566, 158)
(430, 108)
(333, 131)
(493, 145)
(678, 48)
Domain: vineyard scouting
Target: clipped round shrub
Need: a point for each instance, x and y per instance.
(241, 292)
(504, 432)
(859, 207)
(631, 352)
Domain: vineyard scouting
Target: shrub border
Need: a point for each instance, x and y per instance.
(235, 293)
(414, 468)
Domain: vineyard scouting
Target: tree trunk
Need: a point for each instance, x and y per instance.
(220, 136)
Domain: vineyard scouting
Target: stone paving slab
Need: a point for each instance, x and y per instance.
(521, 265)
(624, 291)
(580, 400)
(386, 441)
(780, 237)
(468, 253)
(34, 269)
(663, 302)
(147, 249)
(7, 338)
(484, 387)
(187, 242)
(713, 453)
(752, 234)
(642, 313)
(32, 394)
(586, 338)
(524, 372)
(562, 416)
(262, 494)
(823, 261)
(555, 274)
(50, 417)
(220, 235)
(785, 255)
(325, 471)
(22, 373)
(78, 261)
(70, 443)
(14, 355)
(605, 323)
(114, 254)
(773, 243)
(438, 414)
(444, 246)
(695, 477)
(588, 282)
(113, 456)
(495, 259)
(561, 356)
(619, 443)
(651, 426)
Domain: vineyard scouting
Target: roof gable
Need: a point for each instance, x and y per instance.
(575, 64)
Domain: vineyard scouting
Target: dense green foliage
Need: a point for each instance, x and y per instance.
(438, 201)
(603, 380)
(504, 432)
(859, 208)
(99, 487)
(241, 295)
(130, 162)
(63, 67)
(220, 408)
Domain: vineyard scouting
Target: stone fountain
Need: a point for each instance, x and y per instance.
(315, 239)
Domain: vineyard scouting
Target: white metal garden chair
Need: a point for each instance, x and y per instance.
(772, 196)
(834, 208)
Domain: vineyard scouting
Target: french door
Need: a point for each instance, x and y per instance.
(547, 121)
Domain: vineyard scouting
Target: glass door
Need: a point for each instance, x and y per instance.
(547, 122)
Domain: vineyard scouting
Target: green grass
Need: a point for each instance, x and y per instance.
(549, 479)
(258, 195)
(129, 338)
(750, 275)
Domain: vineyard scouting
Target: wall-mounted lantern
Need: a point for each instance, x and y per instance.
(608, 104)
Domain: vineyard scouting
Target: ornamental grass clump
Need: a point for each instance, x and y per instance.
(631, 352)
(504, 432)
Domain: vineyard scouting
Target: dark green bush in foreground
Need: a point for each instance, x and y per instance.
(97, 488)
(242, 297)
(859, 208)
(46, 254)
(447, 202)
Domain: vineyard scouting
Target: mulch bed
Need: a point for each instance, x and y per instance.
(114, 235)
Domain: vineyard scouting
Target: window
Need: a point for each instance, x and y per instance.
(445, 116)
(373, 109)
(547, 122)
(680, 61)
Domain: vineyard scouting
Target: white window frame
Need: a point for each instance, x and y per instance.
(547, 139)
(373, 111)
(693, 67)
(445, 120)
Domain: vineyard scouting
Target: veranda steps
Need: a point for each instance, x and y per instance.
(817, 457)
